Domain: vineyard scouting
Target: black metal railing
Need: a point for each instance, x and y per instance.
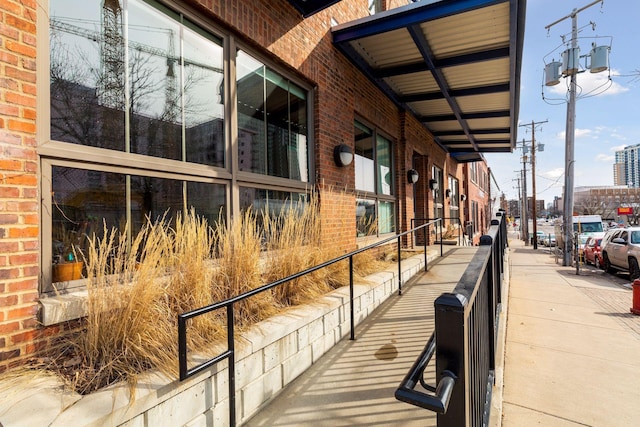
(228, 304)
(439, 230)
(464, 340)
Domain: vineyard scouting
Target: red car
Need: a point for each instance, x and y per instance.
(592, 253)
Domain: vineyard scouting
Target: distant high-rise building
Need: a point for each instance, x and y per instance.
(626, 170)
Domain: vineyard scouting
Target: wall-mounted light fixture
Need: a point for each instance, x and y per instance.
(342, 155)
(412, 176)
(463, 197)
(433, 184)
(447, 193)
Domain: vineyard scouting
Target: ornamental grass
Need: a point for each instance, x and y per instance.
(137, 287)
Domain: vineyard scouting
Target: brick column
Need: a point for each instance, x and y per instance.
(19, 220)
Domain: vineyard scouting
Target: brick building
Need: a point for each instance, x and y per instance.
(113, 111)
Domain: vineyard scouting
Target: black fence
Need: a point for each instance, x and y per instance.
(420, 237)
(228, 305)
(464, 340)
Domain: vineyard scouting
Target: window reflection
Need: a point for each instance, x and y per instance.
(274, 202)
(272, 122)
(87, 77)
(175, 108)
(85, 201)
(364, 155)
(366, 223)
(374, 178)
(385, 173)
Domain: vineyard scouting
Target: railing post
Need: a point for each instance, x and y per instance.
(451, 354)
(441, 236)
(182, 347)
(424, 230)
(353, 326)
(399, 267)
(232, 366)
(492, 275)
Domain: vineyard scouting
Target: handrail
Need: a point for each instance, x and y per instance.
(406, 390)
(466, 322)
(459, 222)
(186, 372)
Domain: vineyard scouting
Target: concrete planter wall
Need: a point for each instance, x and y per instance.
(268, 357)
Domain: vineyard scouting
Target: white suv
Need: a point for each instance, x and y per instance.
(621, 251)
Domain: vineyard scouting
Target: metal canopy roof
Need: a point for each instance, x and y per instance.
(454, 63)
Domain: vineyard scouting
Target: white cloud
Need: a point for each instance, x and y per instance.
(553, 173)
(605, 158)
(578, 133)
(616, 135)
(618, 148)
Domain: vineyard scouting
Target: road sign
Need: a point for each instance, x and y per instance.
(625, 211)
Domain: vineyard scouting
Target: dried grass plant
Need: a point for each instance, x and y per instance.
(293, 245)
(127, 329)
(238, 255)
(137, 288)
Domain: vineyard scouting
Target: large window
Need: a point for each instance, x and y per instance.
(374, 173)
(140, 111)
(156, 92)
(438, 193)
(272, 122)
(454, 197)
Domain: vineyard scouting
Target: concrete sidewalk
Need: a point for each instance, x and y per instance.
(572, 351)
(569, 352)
(354, 383)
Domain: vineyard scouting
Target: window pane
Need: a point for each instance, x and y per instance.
(277, 107)
(385, 173)
(208, 200)
(364, 160)
(259, 200)
(152, 198)
(251, 138)
(154, 75)
(386, 217)
(87, 73)
(366, 224)
(298, 149)
(203, 98)
(272, 122)
(83, 202)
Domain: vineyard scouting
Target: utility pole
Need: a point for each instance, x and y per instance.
(525, 217)
(569, 139)
(533, 180)
(519, 196)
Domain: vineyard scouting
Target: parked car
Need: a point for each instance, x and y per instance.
(549, 240)
(582, 241)
(592, 252)
(621, 251)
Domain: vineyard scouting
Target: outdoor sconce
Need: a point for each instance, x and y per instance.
(412, 176)
(447, 193)
(433, 184)
(343, 155)
(463, 197)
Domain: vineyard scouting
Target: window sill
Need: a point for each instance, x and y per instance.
(63, 307)
(365, 241)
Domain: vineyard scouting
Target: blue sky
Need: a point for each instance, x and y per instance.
(606, 120)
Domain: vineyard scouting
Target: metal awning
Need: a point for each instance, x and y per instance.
(454, 63)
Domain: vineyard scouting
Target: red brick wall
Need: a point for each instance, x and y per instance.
(19, 221)
(275, 29)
